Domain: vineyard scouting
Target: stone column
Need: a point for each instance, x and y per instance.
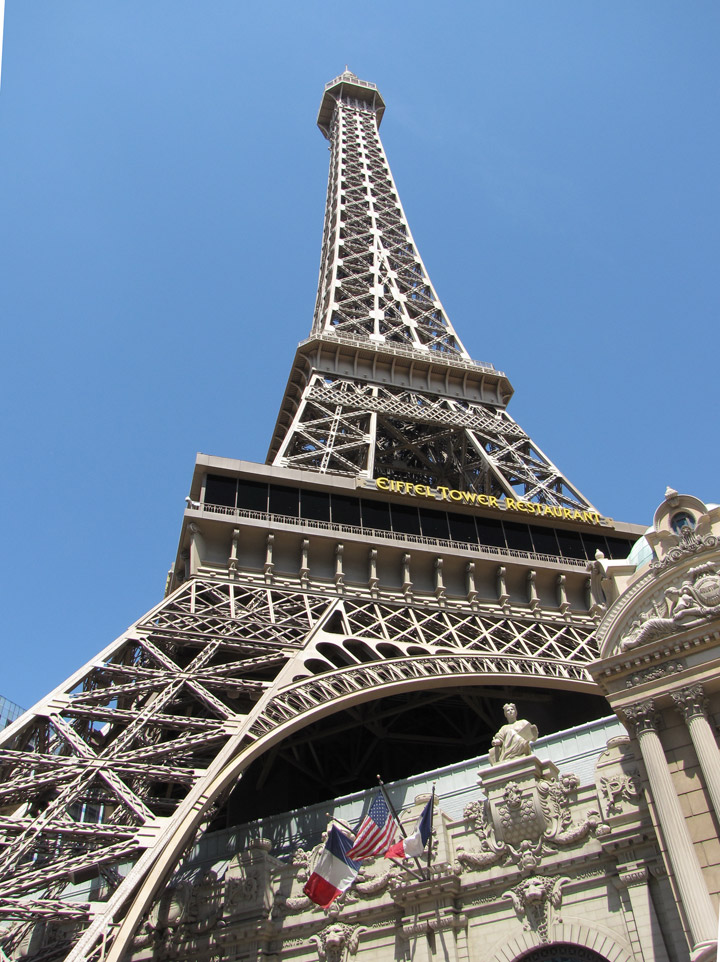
(692, 704)
(691, 886)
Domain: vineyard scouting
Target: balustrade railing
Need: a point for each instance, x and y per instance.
(400, 350)
(382, 534)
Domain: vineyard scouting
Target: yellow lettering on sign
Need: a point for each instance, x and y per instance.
(487, 501)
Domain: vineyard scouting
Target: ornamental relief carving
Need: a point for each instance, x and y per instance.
(692, 602)
(527, 825)
(655, 673)
(620, 791)
(537, 901)
(337, 942)
(690, 543)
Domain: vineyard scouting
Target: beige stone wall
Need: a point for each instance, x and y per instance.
(581, 868)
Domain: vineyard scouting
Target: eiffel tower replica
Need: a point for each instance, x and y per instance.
(405, 558)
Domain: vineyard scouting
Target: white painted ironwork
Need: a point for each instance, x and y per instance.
(113, 775)
(374, 295)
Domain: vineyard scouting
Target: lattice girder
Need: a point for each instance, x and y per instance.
(372, 280)
(353, 426)
(374, 290)
(151, 732)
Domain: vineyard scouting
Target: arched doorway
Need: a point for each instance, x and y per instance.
(561, 952)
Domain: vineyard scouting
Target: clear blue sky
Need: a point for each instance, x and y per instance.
(162, 186)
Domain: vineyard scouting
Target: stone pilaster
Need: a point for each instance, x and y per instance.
(692, 704)
(692, 891)
(634, 880)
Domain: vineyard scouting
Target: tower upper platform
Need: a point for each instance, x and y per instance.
(348, 85)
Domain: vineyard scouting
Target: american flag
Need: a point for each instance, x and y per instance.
(376, 832)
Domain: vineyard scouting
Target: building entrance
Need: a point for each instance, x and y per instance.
(562, 953)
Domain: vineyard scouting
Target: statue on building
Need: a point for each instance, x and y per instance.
(514, 739)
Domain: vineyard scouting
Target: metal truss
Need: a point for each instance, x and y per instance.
(355, 427)
(372, 280)
(374, 289)
(99, 776)
(107, 782)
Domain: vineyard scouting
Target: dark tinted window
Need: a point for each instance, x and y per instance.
(462, 528)
(283, 500)
(220, 490)
(315, 505)
(491, 532)
(517, 536)
(571, 544)
(434, 524)
(405, 519)
(619, 547)
(376, 514)
(593, 542)
(345, 510)
(252, 495)
(544, 540)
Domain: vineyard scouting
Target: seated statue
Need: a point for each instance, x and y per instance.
(514, 739)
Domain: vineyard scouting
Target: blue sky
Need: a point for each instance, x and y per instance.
(162, 185)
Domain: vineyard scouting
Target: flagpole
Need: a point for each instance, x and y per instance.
(404, 833)
(432, 816)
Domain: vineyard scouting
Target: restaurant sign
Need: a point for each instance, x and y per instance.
(441, 493)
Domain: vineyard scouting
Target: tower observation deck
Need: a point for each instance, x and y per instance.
(406, 559)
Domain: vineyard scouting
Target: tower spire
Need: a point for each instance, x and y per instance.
(384, 386)
(373, 283)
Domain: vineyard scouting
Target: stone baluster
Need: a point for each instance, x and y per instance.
(684, 862)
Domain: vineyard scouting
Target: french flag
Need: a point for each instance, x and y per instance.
(414, 845)
(334, 871)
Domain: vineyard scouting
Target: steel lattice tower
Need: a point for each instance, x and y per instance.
(405, 536)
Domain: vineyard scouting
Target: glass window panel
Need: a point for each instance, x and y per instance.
(544, 540)
(220, 489)
(462, 528)
(571, 544)
(619, 547)
(518, 536)
(405, 518)
(252, 495)
(345, 510)
(315, 505)
(491, 532)
(284, 500)
(434, 524)
(593, 542)
(376, 514)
